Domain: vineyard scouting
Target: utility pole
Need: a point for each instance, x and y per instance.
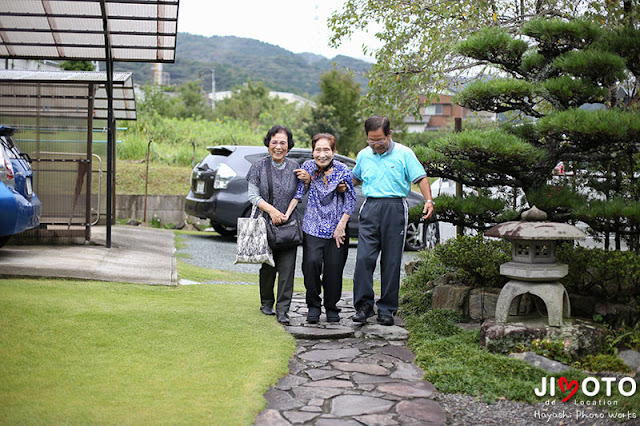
(213, 89)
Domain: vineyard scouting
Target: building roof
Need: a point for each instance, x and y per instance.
(135, 30)
(29, 93)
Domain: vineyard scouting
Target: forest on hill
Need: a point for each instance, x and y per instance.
(238, 60)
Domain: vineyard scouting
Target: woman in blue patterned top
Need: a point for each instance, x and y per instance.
(325, 245)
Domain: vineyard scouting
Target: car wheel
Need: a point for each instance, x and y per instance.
(421, 236)
(4, 239)
(225, 231)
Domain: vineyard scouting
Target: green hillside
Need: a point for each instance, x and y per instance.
(237, 60)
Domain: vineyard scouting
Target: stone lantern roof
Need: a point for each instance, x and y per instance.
(534, 226)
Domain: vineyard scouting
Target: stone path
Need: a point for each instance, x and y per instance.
(348, 374)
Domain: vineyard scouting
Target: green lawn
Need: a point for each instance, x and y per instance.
(116, 353)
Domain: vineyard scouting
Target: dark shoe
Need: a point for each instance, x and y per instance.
(362, 314)
(385, 319)
(267, 310)
(333, 317)
(283, 318)
(313, 316)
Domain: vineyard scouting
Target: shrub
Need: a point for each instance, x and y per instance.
(601, 363)
(415, 297)
(613, 276)
(476, 259)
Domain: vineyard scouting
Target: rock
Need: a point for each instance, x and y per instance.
(329, 383)
(373, 369)
(299, 417)
(312, 333)
(631, 358)
(288, 381)
(330, 354)
(585, 337)
(540, 362)
(407, 371)
(377, 331)
(615, 314)
(426, 410)
(450, 297)
(450, 278)
(412, 390)
(280, 400)
(411, 266)
(320, 374)
(582, 306)
(133, 222)
(270, 418)
(482, 303)
(401, 352)
(377, 419)
(356, 405)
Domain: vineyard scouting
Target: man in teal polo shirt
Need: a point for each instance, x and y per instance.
(386, 169)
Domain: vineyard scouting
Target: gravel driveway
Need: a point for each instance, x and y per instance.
(210, 250)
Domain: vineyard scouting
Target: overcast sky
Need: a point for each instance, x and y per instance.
(296, 25)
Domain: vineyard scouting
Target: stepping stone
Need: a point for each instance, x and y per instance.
(406, 371)
(304, 393)
(356, 405)
(299, 417)
(426, 410)
(280, 400)
(377, 419)
(399, 352)
(329, 355)
(315, 333)
(409, 390)
(376, 331)
(331, 384)
(320, 374)
(270, 418)
(373, 369)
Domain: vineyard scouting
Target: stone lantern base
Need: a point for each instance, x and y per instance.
(554, 295)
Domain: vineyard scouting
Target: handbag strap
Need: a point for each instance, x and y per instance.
(253, 211)
(269, 181)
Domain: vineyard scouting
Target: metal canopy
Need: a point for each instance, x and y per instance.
(102, 30)
(31, 93)
(137, 30)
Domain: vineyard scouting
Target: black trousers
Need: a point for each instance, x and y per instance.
(285, 261)
(322, 266)
(383, 223)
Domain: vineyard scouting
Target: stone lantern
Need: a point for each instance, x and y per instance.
(533, 268)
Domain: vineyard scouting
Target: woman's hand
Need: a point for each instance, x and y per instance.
(277, 217)
(303, 175)
(340, 234)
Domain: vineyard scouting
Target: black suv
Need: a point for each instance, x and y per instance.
(219, 192)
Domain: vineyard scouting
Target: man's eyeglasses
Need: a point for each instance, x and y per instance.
(378, 142)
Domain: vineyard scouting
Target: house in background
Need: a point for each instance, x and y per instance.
(441, 114)
(286, 96)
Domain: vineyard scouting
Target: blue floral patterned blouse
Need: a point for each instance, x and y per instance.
(326, 205)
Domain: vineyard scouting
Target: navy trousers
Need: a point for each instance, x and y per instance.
(383, 223)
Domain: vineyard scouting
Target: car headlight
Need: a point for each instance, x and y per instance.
(223, 176)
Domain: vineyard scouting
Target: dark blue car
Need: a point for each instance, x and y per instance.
(19, 207)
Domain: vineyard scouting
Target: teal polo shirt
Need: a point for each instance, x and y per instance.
(389, 175)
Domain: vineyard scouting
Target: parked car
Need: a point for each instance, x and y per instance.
(20, 208)
(219, 192)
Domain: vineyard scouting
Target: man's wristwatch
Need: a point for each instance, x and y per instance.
(430, 201)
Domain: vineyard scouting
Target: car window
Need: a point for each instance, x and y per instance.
(252, 158)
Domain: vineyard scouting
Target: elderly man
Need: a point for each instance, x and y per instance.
(386, 169)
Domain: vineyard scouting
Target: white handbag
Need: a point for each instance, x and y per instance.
(252, 245)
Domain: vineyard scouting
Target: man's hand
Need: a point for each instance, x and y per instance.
(428, 209)
(303, 175)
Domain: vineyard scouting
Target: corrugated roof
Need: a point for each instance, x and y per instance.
(30, 93)
(136, 30)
